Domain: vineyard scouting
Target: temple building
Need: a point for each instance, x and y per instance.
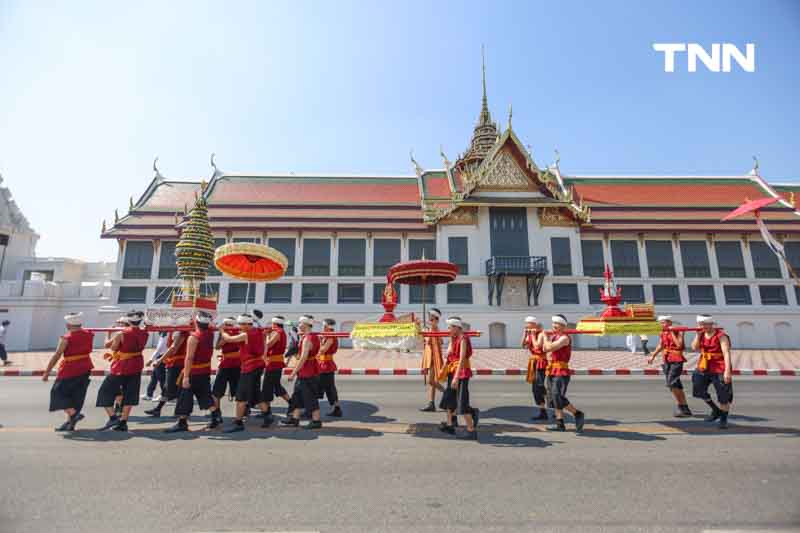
(528, 240)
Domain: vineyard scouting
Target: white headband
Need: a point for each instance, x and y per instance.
(531, 320)
(305, 320)
(73, 319)
(229, 322)
(276, 320)
(558, 320)
(203, 318)
(705, 319)
(244, 319)
(435, 313)
(455, 322)
(664, 317)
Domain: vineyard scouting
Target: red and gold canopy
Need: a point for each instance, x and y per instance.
(250, 261)
(423, 272)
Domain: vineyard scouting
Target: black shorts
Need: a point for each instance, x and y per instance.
(200, 388)
(672, 375)
(249, 387)
(327, 387)
(172, 386)
(113, 386)
(227, 378)
(557, 389)
(538, 387)
(701, 382)
(456, 399)
(69, 393)
(306, 394)
(3, 353)
(272, 387)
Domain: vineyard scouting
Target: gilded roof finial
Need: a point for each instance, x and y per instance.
(130, 203)
(203, 186)
(444, 158)
(792, 200)
(217, 172)
(558, 158)
(157, 173)
(510, 114)
(754, 171)
(417, 168)
(485, 101)
(116, 216)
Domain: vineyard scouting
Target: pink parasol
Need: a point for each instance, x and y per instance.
(750, 206)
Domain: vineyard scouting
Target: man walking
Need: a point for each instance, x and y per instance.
(671, 344)
(533, 340)
(3, 333)
(713, 368)
(559, 346)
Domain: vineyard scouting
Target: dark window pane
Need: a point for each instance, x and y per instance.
(694, 255)
(350, 293)
(239, 292)
(209, 290)
(765, 262)
(278, 293)
(797, 294)
(377, 293)
(632, 294)
(625, 258)
(132, 295)
(792, 250)
(660, 263)
(314, 293)
(415, 294)
(457, 248)
(593, 264)
(666, 295)
(212, 270)
(316, 257)
(594, 294)
(352, 257)
(737, 295)
(419, 247)
(702, 295)
(772, 294)
(565, 293)
(459, 293)
(167, 269)
(508, 228)
(286, 246)
(386, 255)
(164, 295)
(247, 239)
(138, 260)
(729, 259)
(562, 260)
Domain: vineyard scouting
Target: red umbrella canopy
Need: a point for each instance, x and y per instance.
(749, 207)
(423, 272)
(250, 261)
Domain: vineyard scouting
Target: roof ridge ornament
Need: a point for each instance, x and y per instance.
(417, 168)
(510, 114)
(157, 173)
(217, 172)
(754, 171)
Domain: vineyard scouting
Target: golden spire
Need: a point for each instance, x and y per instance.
(510, 114)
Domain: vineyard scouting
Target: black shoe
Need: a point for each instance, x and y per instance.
(445, 428)
(122, 426)
(685, 410)
(110, 423)
(681, 412)
(290, 421)
(73, 421)
(236, 427)
(430, 408)
(541, 416)
(314, 424)
(559, 426)
(268, 420)
(468, 435)
(579, 420)
(179, 426)
(723, 421)
(214, 423)
(65, 426)
(476, 415)
(155, 412)
(336, 411)
(713, 415)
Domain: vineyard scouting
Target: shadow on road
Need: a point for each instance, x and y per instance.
(699, 427)
(489, 434)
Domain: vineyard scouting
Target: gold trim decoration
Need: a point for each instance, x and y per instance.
(554, 217)
(463, 216)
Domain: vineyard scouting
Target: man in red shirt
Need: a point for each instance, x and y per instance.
(532, 339)
(173, 360)
(327, 368)
(671, 344)
(69, 390)
(274, 350)
(559, 345)
(458, 371)
(229, 368)
(196, 376)
(251, 353)
(713, 368)
(127, 363)
(306, 390)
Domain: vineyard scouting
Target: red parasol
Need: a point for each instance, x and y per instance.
(423, 272)
(249, 261)
(750, 206)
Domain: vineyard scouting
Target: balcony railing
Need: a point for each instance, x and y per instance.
(516, 265)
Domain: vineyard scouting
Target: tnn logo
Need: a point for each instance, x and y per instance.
(694, 51)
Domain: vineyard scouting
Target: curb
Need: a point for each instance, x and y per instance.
(478, 372)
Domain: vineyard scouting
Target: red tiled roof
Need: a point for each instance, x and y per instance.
(666, 191)
(219, 213)
(171, 196)
(436, 184)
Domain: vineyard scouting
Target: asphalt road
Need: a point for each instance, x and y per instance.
(385, 467)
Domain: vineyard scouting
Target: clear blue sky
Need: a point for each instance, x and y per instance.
(92, 91)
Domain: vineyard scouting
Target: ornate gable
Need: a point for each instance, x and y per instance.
(503, 174)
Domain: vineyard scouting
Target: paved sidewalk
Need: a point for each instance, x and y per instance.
(508, 358)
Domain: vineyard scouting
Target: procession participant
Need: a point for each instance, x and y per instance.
(195, 380)
(173, 360)
(713, 368)
(159, 374)
(537, 364)
(121, 322)
(306, 371)
(671, 344)
(559, 346)
(3, 333)
(229, 368)
(69, 389)
(458, 372)
(127, 363)
(432, 361)
(327, 368)
(275, 363)
(251, 354)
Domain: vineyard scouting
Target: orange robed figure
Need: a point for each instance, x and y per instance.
(432, 361)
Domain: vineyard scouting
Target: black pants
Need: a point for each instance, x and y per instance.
(327, 387)
(456, 399)
(672, 375)
(306, 394)
(557, 386)
(113, 386)
(538, 387)
(227, 378)
(702, 380)
(200, 388)
(69, 393)
(158, 377)
(172, 387)
(272, 387)
(249, 387)
(3, 354)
